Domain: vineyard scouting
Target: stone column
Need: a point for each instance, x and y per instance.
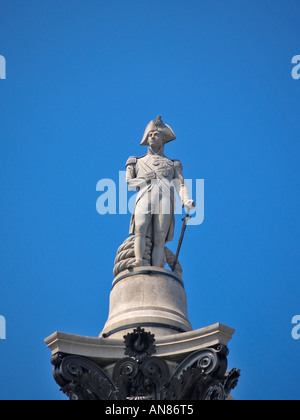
(147, 349)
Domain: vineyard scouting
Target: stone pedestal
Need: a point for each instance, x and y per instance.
(149, 297)
(147, 349)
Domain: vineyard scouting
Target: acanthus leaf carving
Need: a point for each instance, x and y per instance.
(201, 375)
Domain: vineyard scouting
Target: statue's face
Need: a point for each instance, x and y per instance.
(155, 138)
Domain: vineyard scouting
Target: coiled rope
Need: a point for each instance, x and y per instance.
(126, 258)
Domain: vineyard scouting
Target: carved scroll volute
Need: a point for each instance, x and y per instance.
(141, 379)
(156, 372)
(125, 376)
(199, 376)
(82, 379)
(213, 361)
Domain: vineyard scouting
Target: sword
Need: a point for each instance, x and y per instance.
(186, 218)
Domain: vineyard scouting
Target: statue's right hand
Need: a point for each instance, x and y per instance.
(149, 175)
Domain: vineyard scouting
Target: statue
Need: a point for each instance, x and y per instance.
(163, 358)
(155, 177)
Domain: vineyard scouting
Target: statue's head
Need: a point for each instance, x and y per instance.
(155, 139)
(156, 131)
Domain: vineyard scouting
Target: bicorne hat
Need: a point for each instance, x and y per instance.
(158, 125)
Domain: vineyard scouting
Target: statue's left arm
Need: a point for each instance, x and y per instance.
(180, 186)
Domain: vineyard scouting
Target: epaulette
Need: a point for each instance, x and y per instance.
(178, 164)
(131, 161)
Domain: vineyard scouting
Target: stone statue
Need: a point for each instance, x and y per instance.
(163, 358)
(155, 177)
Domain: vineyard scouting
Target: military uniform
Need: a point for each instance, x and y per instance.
(150, 198)
(155, 177)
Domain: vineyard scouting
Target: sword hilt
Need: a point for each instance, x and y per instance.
(186, 217)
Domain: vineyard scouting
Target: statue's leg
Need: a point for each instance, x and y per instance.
(161, 226)
(142, 221)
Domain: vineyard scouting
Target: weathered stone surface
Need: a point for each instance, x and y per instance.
(156, 178)
(201, 375)
(147, 296)
(109, 350)
(147, 348)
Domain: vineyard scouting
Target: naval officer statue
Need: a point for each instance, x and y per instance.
(155, 177)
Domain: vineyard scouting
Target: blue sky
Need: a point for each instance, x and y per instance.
(83, 80)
